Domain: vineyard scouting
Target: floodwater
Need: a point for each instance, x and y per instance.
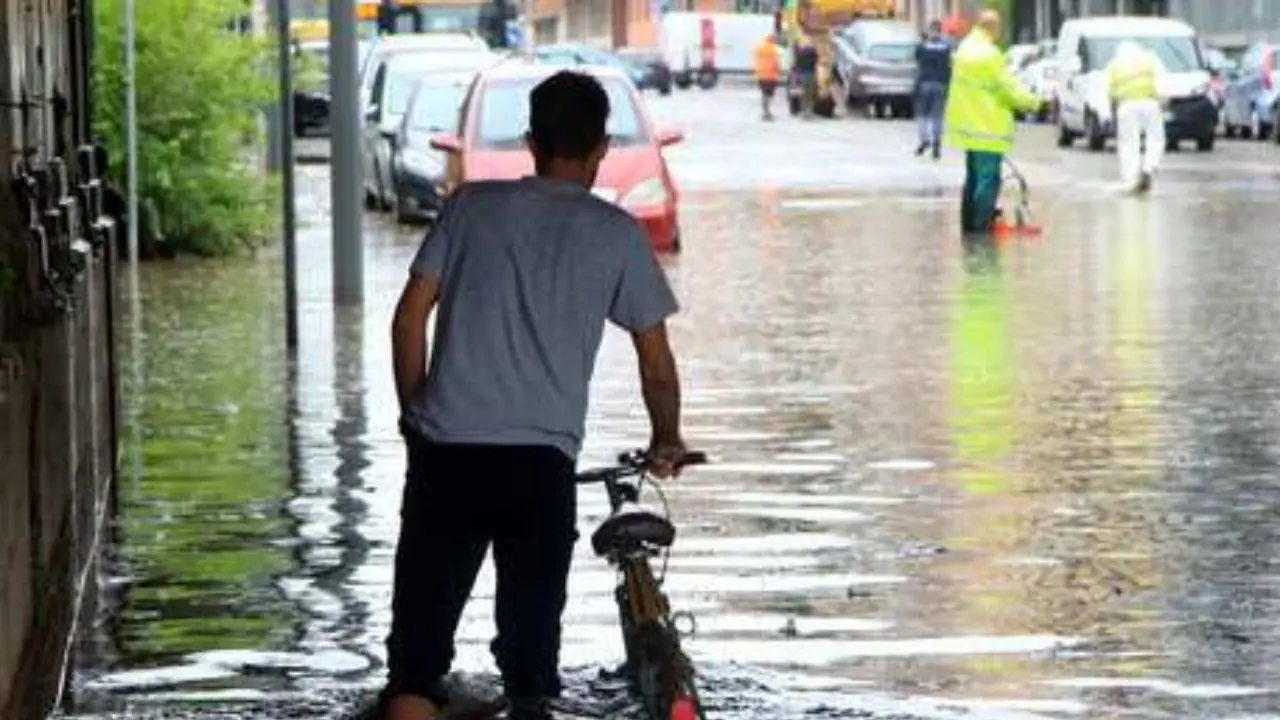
(1032, 480)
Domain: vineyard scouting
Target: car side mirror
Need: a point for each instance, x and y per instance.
(446, 143)
(668, 136)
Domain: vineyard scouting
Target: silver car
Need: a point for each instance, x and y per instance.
(875, 64)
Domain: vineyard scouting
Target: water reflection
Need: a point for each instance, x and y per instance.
(1009, 480)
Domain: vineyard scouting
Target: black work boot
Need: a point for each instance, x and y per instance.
(937, 150)
(921, 148)
(1144, 182)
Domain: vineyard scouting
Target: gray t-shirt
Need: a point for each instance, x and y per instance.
(529, 270)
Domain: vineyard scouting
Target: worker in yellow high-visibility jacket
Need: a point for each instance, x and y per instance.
(979, 119)
(1133, 80)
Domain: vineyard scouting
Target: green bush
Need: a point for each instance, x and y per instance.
(200, 91)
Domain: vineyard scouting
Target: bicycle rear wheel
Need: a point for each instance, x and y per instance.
(661, 673)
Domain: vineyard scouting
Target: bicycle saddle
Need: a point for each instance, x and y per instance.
(631, 527)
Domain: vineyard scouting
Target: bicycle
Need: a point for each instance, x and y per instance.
(657, 667)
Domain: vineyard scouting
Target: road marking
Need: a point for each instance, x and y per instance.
(831, 203)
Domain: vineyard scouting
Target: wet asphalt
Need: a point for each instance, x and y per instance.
(1027, 479)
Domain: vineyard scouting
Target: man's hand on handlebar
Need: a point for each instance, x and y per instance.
(666, 458)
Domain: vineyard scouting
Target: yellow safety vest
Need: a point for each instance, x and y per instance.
(1132, 78)
(983, 97)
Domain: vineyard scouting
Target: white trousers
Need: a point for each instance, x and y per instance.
(1134, 120)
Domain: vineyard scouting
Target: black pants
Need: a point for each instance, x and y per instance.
(459, 499)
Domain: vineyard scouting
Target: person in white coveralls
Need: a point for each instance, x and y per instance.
(1133, 80)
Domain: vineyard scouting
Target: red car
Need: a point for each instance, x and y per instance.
(495, 116)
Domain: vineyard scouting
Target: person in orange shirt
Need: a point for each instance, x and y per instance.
(768, 67)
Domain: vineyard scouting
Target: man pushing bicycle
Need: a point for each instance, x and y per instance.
(522, 275)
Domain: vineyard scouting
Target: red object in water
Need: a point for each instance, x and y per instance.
(1002, 229)
(683, 709)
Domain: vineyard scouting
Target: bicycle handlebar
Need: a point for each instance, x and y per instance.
(634, 463)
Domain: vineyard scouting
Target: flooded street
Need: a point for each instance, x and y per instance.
(1034, 480)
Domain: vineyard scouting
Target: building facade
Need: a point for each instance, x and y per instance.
(609, 23)
(1231, 23)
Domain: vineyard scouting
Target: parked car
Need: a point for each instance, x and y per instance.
(392, 84)
(1019, 56)
(1249, 104)
(383, 48)
(420, 172)
(1041, 77)
(311, 88)
(875, 64)
(1087, 45)
(654, 72)
(573, 54)
(1220, 67)
(489, 144)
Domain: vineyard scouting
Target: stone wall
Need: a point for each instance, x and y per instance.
(57, 377)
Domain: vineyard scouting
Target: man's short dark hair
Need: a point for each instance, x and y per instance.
(567, 116)
(935, 26)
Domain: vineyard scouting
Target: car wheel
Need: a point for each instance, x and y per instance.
(1246, 131)
(370, 202)
(683, 81)
(403, 215)
(1171, 145)
(1205, 144)
(380, 201)
(1097, 140)
(707, 78)
(664, 89)
(1065, 136)
(1257, 130)
(1228, 130)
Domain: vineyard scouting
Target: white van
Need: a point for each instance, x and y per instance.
(700, 46)
(1086, 45)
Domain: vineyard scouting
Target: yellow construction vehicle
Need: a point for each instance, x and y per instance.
(815, 20)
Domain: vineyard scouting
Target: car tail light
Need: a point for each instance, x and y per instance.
(1269, 69)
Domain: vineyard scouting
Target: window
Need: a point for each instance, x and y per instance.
(379, 80)
(435, 108)
(558, 57)
(858, 42)
(504, 115)
(1252, 59)
(897, 53)
(1177, 54)
(395, 98)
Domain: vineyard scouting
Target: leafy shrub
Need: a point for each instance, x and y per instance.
(200, 91)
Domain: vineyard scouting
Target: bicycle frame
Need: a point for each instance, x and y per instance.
(660, 672)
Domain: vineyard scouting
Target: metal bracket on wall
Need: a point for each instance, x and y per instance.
(10, 369)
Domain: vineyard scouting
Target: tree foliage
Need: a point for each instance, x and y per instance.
(200, 88)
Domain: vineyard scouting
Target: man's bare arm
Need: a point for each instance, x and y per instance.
(660, 385)
(409, 336)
